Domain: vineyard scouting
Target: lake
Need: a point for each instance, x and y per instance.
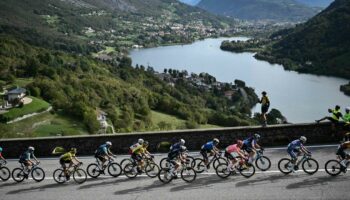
(300, 97)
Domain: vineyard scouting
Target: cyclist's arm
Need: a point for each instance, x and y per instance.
(257, 146)
(1, 157)
(36, 160)
(304, 150)
(241, 154)
(253, 146)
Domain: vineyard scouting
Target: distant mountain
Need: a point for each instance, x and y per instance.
(320, 46)
(316, 3)
(281, 10)
(190, 2)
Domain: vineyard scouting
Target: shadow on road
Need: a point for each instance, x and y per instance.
(109, 182)
(265, 179)
(317, 181)
(135, 190)
(40, 188)
(202, 182)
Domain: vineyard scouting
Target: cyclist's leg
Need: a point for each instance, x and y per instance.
(205, 156)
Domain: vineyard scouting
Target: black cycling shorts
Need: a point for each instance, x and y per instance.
(204, 153)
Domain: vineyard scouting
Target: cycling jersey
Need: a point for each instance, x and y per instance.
(26, 156)
(346, 117)
(174, 151)
(176, 147)
(102, 150)
(295, 145)
(232, 148)
(139, 149)
(248, 143)
(208, 146)
(67, 156)
(345, 145)
(265, 101)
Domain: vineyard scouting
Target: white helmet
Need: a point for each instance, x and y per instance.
(108, 143)
(216, 141)
(183, 148)
(182, 141)
(31, 148)
(303, 139)
(140, 141)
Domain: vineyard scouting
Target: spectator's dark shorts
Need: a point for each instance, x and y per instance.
(264, 109)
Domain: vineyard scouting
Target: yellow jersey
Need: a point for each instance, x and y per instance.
(67, 156)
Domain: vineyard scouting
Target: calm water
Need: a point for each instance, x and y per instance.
(300, 97)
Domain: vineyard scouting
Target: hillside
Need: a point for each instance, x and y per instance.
(316, 3)
(190, 2)
(319, 46)
(277, 10)
(84, 26)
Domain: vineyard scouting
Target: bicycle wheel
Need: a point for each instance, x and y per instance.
(283, 165)
(219, 161)
(18, 175)
(152, 170)
(188, 174)
(165, 176)
(38, 174)
(246, 171)
(114, 169)
(125, 161)
(58, 176)
(4, 173)
(190, 160)
(310, 166)
(79, 176)
(263, 163)
(200, 166)
(93, 170)
(164, 163)
(333, 167)
(130, 170)
(222, 171)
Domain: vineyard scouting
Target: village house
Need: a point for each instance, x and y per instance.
(17, 93)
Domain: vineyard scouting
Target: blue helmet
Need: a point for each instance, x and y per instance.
(0, 149)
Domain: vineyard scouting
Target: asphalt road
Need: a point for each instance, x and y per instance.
(263, 185)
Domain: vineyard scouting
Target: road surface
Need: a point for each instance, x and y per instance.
(263, 185)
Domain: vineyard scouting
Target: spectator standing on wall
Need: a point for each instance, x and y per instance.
(265, 104)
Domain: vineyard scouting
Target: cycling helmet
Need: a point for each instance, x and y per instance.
(183, 148)
(182, 141)
(31, 148)
(140, 141)
(256, 136)
(216, 141)
(108, 143)
(145, 143)
(239, 143)
(303, 139)
(0, 149)
(73, 150)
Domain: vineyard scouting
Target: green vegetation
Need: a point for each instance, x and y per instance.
(319, 46)
(45, 124)
(279, 10)
(252, 45)
(37, 105)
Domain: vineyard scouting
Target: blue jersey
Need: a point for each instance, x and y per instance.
(102, 150)
(26, 155)
(248, 142)
(295, 145)
(175, 148)
(208, 146)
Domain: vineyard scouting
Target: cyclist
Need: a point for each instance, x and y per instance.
(1, 157)
(137, 154)
(211, 148)
(25, 158)
(69, 158)
(343, 155)
(295, 148)
(103, 153)
(176, 159)
(233, 152)
(175, 155)
(250, 145)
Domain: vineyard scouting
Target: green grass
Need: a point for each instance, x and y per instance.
(43, 125)
(37, 105)
(172, 122)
